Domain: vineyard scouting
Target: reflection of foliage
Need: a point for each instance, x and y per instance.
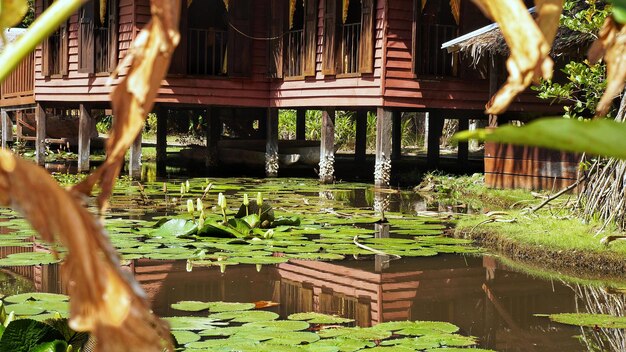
(12, 284)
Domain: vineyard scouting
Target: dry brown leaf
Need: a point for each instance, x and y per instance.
(265, 304)
(529, 43)
(102, 300)
(611, 45)
(133, 98)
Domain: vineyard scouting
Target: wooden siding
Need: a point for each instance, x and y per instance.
(81, 87)
(17, 89)
(348, 90)
(508, 166)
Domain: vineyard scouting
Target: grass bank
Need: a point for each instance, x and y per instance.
(552, 238)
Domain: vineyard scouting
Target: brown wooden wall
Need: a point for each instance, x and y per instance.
(509, 166)
(17, 89)
(81, 87)
(349, 90)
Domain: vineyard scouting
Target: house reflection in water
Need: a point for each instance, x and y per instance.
(476, 293)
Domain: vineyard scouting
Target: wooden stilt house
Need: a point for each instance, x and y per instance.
(240, 61)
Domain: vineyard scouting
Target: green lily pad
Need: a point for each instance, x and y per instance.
(590, 320)
(192, 323)
(191, 306)
(175, 228)
(247, 316)
(184, 337)
(287, 325)
(318, 318)
(37, 296)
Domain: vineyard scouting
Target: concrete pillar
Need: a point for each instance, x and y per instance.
(271, 143)
(134, 162)
(382, 168)
(360, 146)
(327, 147)
(40, 140)
(300, 124)
(396, 131)
(7, 128)
(463, 147)
(162, 114)
(84, 137)
(19, 116)
(435, 129)
(425, 115)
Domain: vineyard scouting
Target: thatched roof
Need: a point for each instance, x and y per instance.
(488, 40)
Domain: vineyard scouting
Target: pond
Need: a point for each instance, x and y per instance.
(340, 259)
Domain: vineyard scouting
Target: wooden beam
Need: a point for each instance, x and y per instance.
(360, 146)
(382, 168)
(40, 140)
(435, 129)
(327, 147)
(494, 67)
(463, 147)
(214, 133)
(271, 143)
(301, 124)
(162, 114)
(134, 162)
(7, 128)
(84, 137)
(396, 138)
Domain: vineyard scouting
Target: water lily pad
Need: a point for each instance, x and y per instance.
(192, 323)
(28, 259)
(37, 296)
(191, 306)
(590, 320)
(287, 325)
(356, 333)
(247, 316)
(175, 228)
(184, 337)
(318, 318)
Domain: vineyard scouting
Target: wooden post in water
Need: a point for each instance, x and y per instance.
(462, 155)
(435, 129)
(162, 114)
(271, 143)
(134, 163)
(40, 139)
(84, 137)
(382, 168)
(360, 146)
(327, 147)
(300, 124)
(7, 128)
(396, 131)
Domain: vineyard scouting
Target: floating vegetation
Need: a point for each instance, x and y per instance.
(589, 320)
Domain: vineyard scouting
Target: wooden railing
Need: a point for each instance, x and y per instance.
(432, 60)
(17, 89)
(206, 52)
(350, 45)
(294, 53)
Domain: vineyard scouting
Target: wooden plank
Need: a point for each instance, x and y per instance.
(7, 128)
(383, 147)
(435, 128)
(271, 146)
(532, 167)
(301, 124)
(161, 138)
(504, 181)
(84, 138)
(327, 147)
(508, 151)
(40, 142)
(360, 146)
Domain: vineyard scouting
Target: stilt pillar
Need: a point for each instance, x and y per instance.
(360, 146)
(463, 147)
(382, 168)
(7, 128)
(300, 124)
(271, 143)
(435, 129)
(214, 133)
(162, 114)
(84, 137)
(396, 139)
(40, 139)
(327, 147)
(134, 163)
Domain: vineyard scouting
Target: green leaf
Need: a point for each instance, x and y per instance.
(596, 137)
(175, 228)
(590, 320)
(191, 306)
(23, 335)
(52, 346)
(319, 318)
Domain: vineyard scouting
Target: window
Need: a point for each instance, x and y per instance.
(435, 23)
(294, 43)
(55, 50)
(348, 37)
(98, 37)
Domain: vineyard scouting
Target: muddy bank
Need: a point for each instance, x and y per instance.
(570, 262)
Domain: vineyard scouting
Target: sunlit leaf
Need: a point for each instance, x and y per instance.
(590, 320)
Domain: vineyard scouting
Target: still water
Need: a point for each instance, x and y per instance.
(481, 294)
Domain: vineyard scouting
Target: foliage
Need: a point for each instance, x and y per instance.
(587, 19)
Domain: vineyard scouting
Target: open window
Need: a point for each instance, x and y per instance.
(54, 59)
(98, 36)
(435, 22)
(348, 37)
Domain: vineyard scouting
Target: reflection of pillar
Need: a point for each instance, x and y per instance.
(161, 139)
(271, 143)
(134, 162)
(301, 124)
(360, 146)
(382, 168)
(327, 147)
(381, 203)
(40, 139)
(381, 262)
(7, 128)
(84, 137)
